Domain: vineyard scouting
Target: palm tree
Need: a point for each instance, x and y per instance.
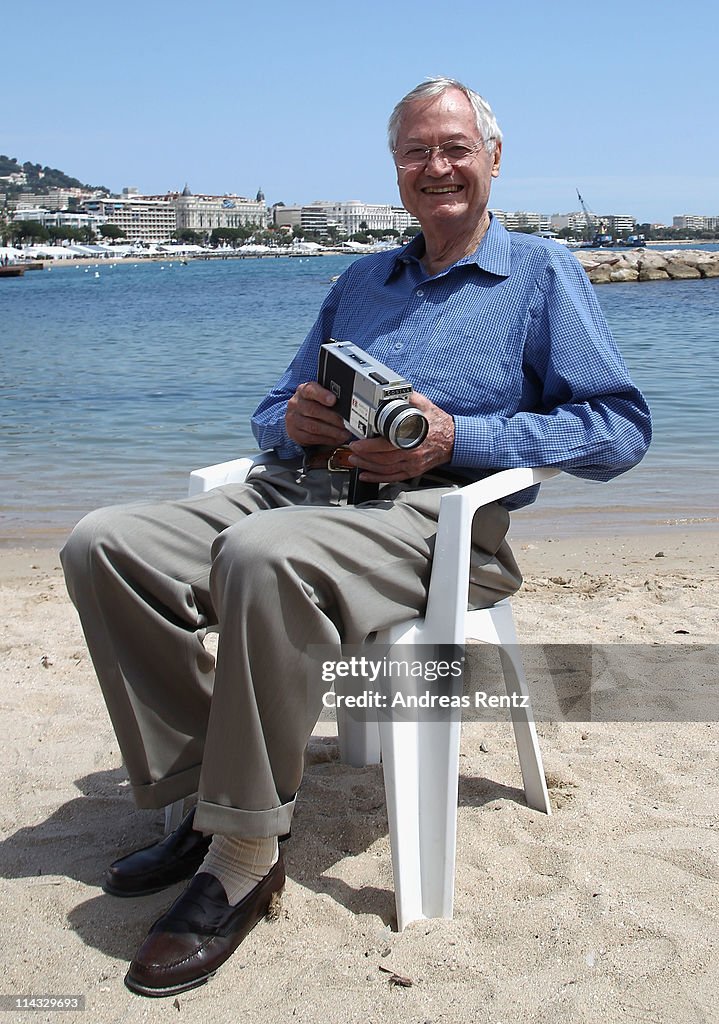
(7, 227)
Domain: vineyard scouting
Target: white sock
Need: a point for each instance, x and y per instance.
(239, 864)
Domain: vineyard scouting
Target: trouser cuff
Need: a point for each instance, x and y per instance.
(167, 791)
(231, 821)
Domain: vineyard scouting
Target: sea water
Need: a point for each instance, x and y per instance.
(118, 379)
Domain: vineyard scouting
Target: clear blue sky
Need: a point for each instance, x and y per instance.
(617, 98)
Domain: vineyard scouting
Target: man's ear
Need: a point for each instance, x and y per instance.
(497, 155)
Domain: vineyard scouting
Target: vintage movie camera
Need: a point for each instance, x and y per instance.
(371, 398)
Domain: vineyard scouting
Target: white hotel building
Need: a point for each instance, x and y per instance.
(348, 217)
(577, 222)
(203, 213)
(156, 218)
(522, 220)
(695, 222)
(140, 218)
(58, 218)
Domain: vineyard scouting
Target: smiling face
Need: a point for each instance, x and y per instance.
(446, 199)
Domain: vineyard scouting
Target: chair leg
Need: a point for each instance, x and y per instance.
(359, 740)
(525, 732)
(496, 626)
(421, 768)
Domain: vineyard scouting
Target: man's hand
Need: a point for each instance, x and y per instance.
(310, 419)
(381, 462)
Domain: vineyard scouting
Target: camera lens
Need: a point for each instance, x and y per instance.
(401, 424)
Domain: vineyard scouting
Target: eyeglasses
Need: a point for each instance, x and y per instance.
(453, 152)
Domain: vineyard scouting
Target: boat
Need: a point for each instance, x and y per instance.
(635, 241)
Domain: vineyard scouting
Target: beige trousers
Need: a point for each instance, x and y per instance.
(278, 563)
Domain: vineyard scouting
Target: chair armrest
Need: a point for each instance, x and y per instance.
(233, 472)
(449, 582)
(498, 485)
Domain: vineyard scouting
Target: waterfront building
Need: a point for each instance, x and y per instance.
(694, 222)
(688, 222)
(619, 223)
(522, 220)
(613, 223)
(576, 222)
(142, 218)
(318, 217)
(286, 216)
(402, 221)
(354, 216)
(347, 217)
(203, 213)
(60, 218)
(34, 213)
(157, 218)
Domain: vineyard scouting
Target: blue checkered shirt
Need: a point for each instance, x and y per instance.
(510, 341)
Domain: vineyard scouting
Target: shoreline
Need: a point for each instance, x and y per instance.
(119, 261)
(624, 257)
(534, 523)
(637, 544)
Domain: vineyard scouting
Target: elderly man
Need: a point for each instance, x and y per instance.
(513, 365)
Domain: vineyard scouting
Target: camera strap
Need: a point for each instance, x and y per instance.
(359, 490)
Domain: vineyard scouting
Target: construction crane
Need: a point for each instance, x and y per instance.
(597, 229)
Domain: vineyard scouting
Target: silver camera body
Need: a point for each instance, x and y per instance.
(371, 398)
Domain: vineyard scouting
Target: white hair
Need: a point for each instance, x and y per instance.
(486, 121)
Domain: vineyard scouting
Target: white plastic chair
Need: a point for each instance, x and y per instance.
(420, 758)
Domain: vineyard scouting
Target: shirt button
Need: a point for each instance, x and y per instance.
(398, 346)
(420, 293)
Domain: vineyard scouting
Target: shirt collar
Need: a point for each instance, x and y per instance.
(492, 254)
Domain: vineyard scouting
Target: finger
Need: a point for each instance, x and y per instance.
(389, 459)
(420, 401)
(401, 464)
(369, 446)
(299, 408)
(314, 392)
(395, 470)
(311, 432)
(312, 410)
(309, 423)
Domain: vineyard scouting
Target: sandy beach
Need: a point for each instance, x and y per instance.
(605, 911)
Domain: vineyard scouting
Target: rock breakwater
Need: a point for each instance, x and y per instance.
(649, 265)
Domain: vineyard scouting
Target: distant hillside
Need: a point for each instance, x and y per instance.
(39, 179)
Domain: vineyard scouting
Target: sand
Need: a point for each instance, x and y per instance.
(606, 911)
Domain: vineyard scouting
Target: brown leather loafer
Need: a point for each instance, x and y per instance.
(198, 934)
(173, 859)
